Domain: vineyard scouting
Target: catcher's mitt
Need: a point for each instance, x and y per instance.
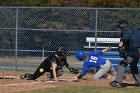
(74, 71)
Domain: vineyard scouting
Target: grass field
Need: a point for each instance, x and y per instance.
(85, 89)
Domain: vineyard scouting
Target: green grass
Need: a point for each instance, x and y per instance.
(77, 89)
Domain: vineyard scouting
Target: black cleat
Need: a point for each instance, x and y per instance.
(117, 84)
(27, 76)
(22, 77)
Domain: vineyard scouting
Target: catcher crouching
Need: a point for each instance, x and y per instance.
(52, 64)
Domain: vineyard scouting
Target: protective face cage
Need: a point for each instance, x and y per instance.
(60, 55)
(62, 49)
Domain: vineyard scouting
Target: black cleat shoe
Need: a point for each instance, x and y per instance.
(27, 76)
(112, 83)
(117, 84)
(22, 77)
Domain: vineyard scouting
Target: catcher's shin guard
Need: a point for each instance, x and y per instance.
(58, 73)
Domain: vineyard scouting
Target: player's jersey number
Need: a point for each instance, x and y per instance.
(93, 59)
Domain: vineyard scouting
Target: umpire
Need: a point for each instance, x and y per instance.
(129, 51)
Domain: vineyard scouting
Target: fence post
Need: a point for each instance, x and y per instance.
(96, 28)
(16, 48)
(43, 53)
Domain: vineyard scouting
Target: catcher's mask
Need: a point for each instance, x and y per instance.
(61, 53)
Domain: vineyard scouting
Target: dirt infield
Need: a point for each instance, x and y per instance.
(15, 85)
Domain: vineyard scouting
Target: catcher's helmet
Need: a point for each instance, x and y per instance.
(80, 55)
(61, 53)
(61, 49)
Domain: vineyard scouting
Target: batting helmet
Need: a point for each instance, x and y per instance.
(80, 55)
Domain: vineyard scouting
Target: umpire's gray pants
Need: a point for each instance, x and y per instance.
(133, 61)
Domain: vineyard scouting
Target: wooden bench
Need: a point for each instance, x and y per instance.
(108, 41)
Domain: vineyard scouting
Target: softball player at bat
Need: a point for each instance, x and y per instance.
(92, 59)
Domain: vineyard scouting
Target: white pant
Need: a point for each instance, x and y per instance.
(106, 68)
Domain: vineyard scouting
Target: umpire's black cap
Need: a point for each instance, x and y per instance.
(122, 21)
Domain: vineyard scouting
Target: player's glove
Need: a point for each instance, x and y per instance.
(74, 71)
(122, 52)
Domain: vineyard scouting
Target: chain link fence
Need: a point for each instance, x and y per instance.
(29, 34)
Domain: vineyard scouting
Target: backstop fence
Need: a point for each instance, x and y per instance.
(29, 34)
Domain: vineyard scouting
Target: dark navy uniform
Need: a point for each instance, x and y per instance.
(130, 38)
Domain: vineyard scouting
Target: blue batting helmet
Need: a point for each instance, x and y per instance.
(80, 55)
